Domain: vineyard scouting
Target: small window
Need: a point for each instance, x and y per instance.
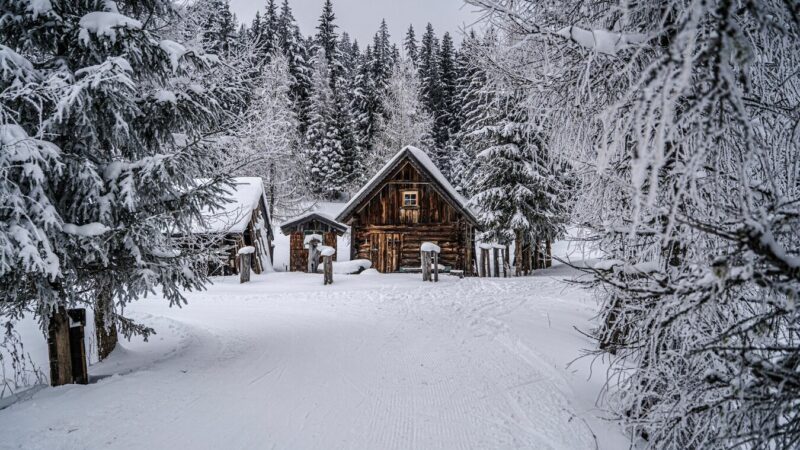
(410, 199)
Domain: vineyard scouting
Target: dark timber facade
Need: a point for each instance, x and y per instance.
(409, 202)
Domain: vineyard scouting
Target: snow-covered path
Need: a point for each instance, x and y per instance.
(373, 362)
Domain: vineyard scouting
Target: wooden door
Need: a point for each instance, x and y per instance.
(385, 251)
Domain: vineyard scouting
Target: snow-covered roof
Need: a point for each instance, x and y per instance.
(234, 216)
(313, 215)
(421, 160)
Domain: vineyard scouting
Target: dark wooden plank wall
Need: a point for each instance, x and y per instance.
(434, 220)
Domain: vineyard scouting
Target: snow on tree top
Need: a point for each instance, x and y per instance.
(232, 217)
(426, 164)
(104, 23)
(249, 250)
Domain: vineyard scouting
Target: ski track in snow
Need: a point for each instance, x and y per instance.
(385, 362)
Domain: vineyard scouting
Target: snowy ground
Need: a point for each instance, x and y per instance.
(373, 362)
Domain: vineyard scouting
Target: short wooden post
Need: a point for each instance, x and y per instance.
(58, 348)
(77, 346)
(485, 262)
(245, 260)
(495, 262)
(548, 262)
(327, 262)
(313, 255)
(426, 266)
(435, 267)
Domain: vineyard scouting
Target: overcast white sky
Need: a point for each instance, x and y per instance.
(361, 18)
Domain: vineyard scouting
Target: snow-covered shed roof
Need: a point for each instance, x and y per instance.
(286, 227)
(423, 163)
(234, 215)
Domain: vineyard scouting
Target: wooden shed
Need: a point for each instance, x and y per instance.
(241, 221)
(406, 203)
(308, 224)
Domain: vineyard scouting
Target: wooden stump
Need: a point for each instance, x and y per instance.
(327, 262)
(435, 267)
(244, 267)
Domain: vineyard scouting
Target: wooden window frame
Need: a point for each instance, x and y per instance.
(403, 194)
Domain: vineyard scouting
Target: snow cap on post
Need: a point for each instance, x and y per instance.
(312, 237)
(247, 250)
(327, 251)
(430, 247)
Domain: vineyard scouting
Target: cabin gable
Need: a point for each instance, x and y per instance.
(407, 203)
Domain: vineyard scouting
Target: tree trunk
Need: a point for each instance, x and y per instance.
(496, 263)
(518, 257)
(104, 324)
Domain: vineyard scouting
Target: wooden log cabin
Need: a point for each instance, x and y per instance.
(241, 221)
(308, 224)
(406, 203)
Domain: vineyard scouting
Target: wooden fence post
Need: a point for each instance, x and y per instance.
(548, 262)
(435, 267)
(58, 348)
(77, 346)
(245, 261)
(327, 262)
(426, 266)
(66, 348)
(495, 263)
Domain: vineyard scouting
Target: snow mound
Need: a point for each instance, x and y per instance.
(351, 267)
(370, 272)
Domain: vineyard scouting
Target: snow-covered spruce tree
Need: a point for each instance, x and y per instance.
(410, 46)
(293, 47)
(683, 116)
(516, 193)
(364, 107)
(324, 154)
(93, 198)
(405, 121)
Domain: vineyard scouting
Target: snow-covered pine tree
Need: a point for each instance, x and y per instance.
(219, 27)
(363, 107)
(516, 195)
(410, 45)
(325, 153)
(429, 69)
(478, 108)
(111, 184)
(445, 116)
(293, 46)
